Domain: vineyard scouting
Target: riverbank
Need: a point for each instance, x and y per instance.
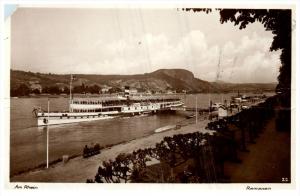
(79, 169)
(45, 95)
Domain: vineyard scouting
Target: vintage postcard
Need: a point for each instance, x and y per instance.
(166, 94)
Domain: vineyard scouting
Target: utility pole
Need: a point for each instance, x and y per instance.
(70, 93)
(196, 109)
(48, 136)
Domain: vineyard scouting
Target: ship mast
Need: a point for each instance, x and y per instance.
(70, 93)
(219, 68)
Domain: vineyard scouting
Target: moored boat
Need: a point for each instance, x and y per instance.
(90, 109)
(95, 109)
(165, 128)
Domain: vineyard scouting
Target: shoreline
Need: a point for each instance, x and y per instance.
(56, 161)
(52, 174)
(78, 169)
(108, 95)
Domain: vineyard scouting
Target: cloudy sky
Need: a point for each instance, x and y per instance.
(134, 41)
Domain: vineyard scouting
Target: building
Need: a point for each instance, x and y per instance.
(133, 91)
(105, 89)
(129, 91)
(63, 87)
(34, 85)
(171, 91)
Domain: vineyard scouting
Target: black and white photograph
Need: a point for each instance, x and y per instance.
(150, 94)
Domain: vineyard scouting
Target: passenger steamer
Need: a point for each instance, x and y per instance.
(90, 109)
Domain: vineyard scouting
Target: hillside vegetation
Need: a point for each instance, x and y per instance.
(162, 80)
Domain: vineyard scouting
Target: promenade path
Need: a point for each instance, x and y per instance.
(268, 160)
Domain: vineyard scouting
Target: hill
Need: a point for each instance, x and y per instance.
(158, 81)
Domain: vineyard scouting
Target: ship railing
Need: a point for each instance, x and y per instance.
(123, 102)
(64, 111)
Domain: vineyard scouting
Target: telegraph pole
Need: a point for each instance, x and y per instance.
(70, 93)
(196, 108)
(48, 136)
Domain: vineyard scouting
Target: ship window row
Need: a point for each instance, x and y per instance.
(80, 117)
(119, 108)
(97, 110)
(143, 107)
(87, 102)
(121, 102)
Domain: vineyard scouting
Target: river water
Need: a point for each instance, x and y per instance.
(28, 142)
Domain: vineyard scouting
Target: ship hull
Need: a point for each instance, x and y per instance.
(54, 119)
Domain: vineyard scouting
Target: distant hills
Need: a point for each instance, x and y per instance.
(161, 80)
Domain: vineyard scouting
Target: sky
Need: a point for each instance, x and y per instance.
(140, 40)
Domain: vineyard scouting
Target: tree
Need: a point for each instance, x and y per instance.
(80, 89)
(22, 90)
(114, 90)
(173, 151)
(45, 89)
(54, 90)
(276, 21)
(94, 89)
(139, 159)
(66, 90)
(279, 22)
(77, 89)
(125, 167)
(179, 149)
(36, 91)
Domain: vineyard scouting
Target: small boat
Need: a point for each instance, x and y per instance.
(244, 107)
(190, 116)
(165, 128)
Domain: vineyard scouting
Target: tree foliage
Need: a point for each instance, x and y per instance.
(82, 89)
(278, 21)
(22, 90)
(125, 167)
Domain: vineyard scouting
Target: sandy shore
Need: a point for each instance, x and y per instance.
(79, 169)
